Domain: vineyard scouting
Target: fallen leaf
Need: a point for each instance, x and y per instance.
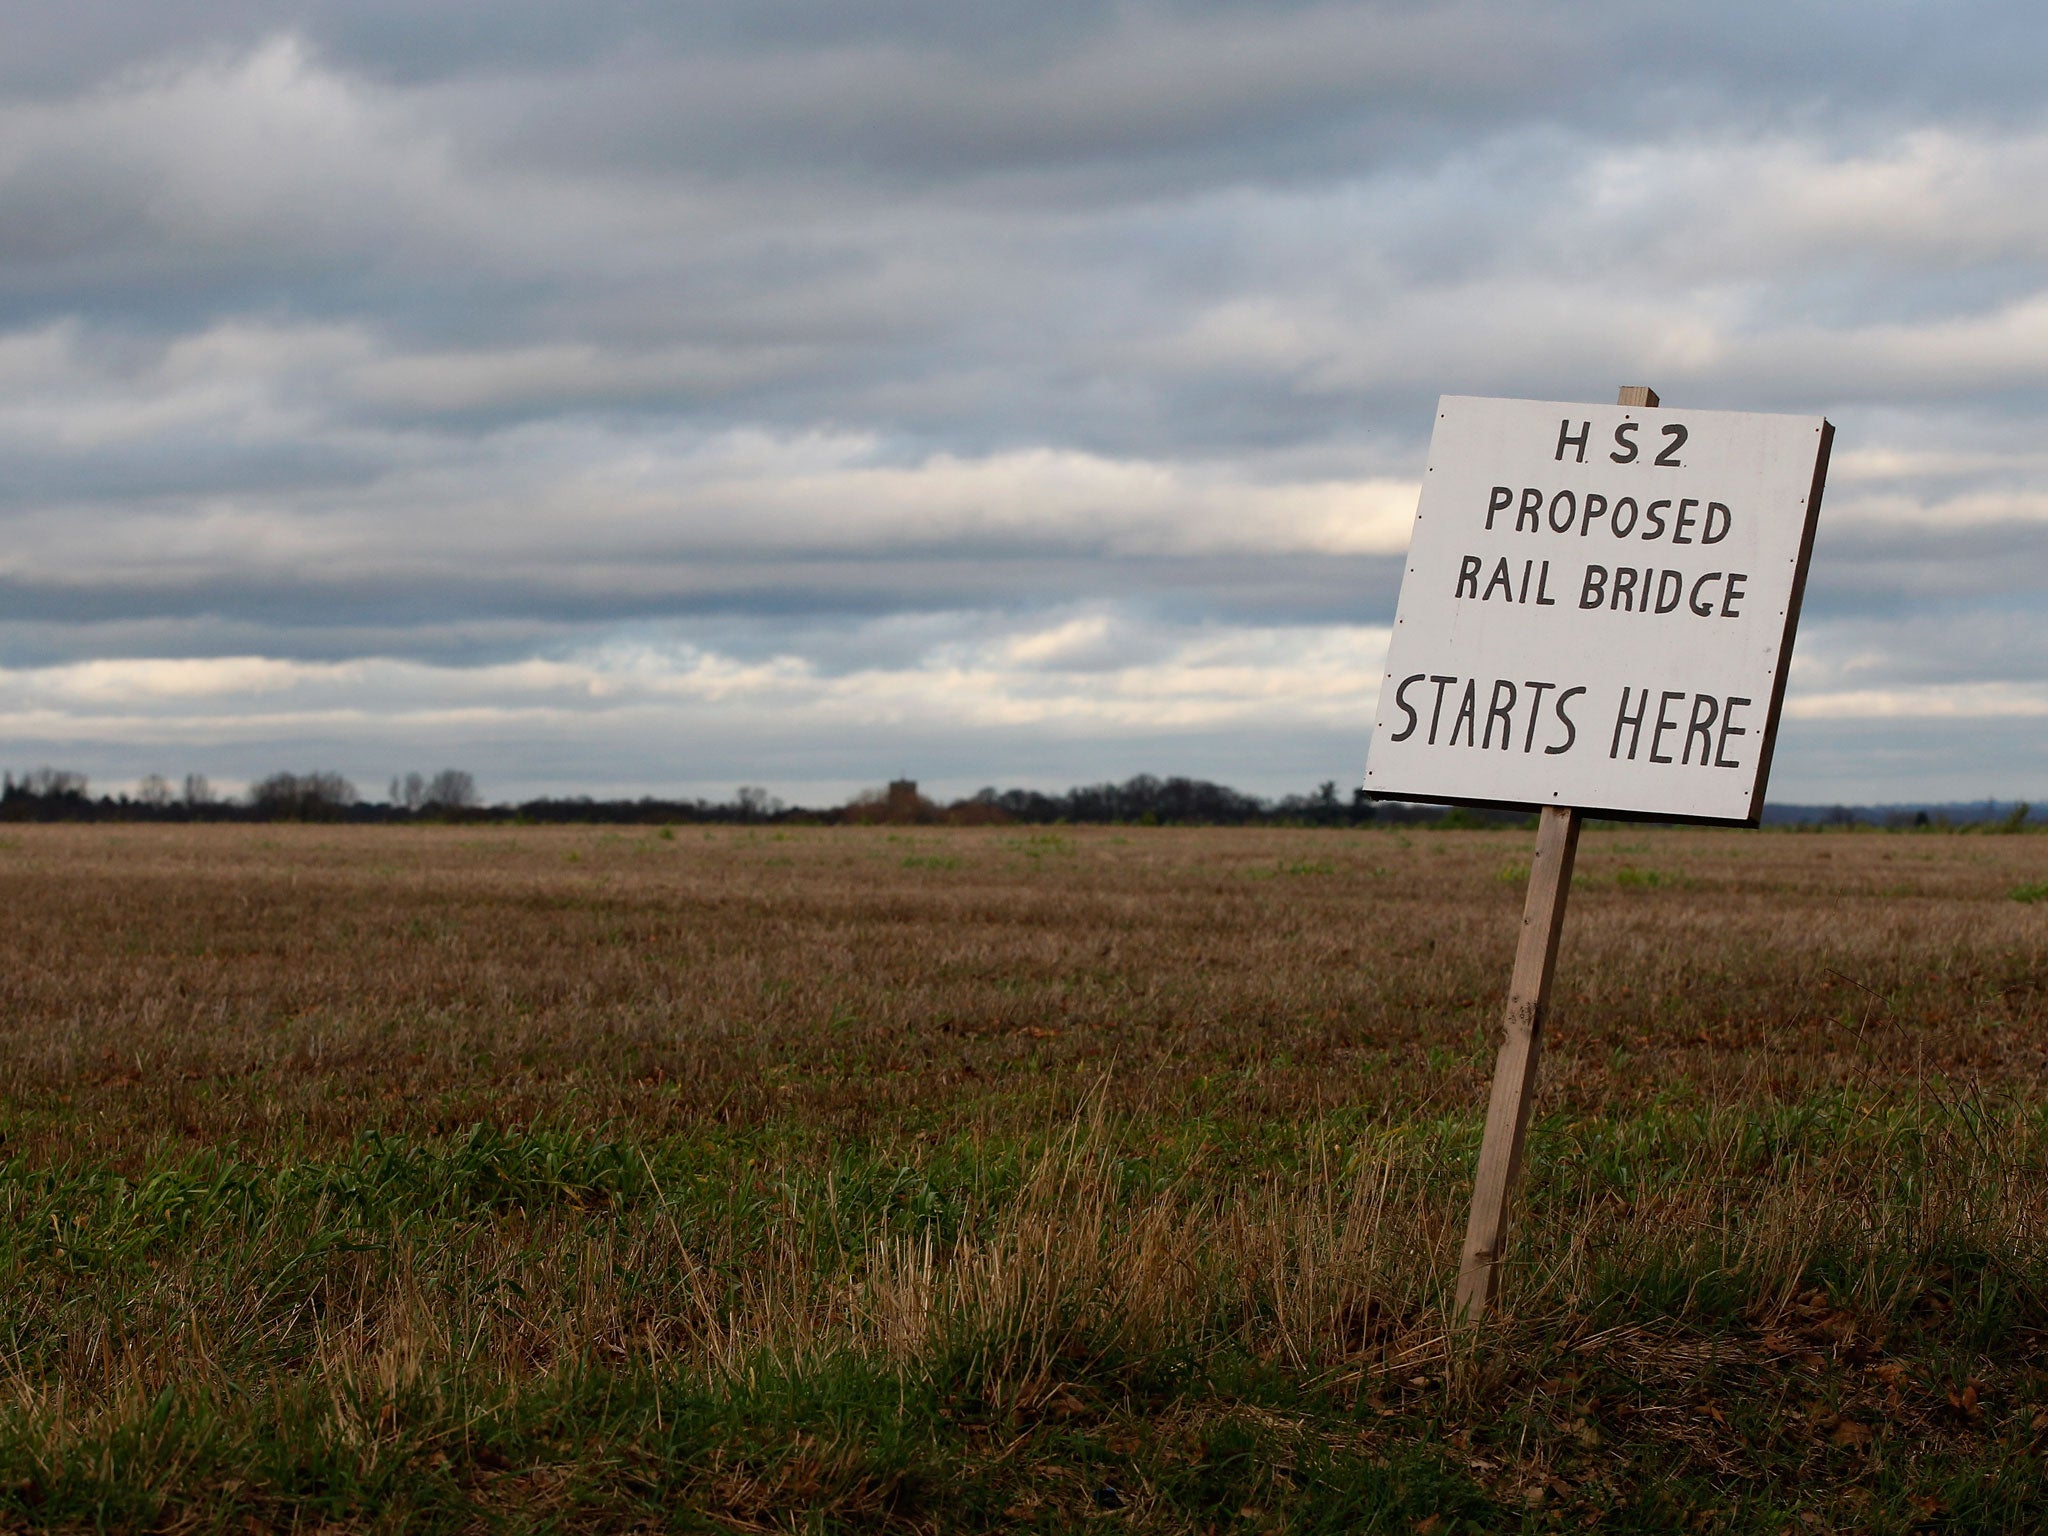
(1065, 1404)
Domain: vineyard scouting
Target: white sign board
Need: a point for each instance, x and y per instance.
(1598, 608)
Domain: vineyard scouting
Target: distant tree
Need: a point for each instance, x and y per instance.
(979, 810)
(153, 790)
(755, 803)
(302, 796)
(278, 794)
(1321, 809)
(53, 784)
(197, 790)
(451, 789)
(1144, 799)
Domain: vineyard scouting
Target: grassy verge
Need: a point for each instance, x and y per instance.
(1719, 1319)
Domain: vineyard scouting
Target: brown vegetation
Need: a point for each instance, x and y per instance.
(237, 984)
(1084, 1139)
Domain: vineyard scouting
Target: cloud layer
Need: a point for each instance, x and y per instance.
(655, 398)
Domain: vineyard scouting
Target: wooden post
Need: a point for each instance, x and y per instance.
(1514, 1070)
(1521, 1046)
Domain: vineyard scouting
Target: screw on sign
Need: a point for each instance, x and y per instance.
(1596, 618)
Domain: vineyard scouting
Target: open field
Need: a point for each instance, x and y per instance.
(918, 1179)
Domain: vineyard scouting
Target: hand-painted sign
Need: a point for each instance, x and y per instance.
(1598, 608)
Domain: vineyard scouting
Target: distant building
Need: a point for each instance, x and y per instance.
(902, 803)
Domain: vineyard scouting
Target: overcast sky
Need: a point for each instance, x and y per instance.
(638, 396)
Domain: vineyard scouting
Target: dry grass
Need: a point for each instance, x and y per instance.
(442, 1177)
(240, 984)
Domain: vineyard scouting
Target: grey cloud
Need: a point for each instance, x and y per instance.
(1877, 571)
(494, 616)
(1890, 760)
(379, 330)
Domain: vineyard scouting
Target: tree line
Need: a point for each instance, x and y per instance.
(51, 794)
(56, 794)
(47, 794)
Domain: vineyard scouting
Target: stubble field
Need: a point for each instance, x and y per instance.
(477, 1178)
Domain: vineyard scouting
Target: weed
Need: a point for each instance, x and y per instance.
(1628, 877)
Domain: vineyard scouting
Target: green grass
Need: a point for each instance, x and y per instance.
(1719, 1321)
(1628, 877)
